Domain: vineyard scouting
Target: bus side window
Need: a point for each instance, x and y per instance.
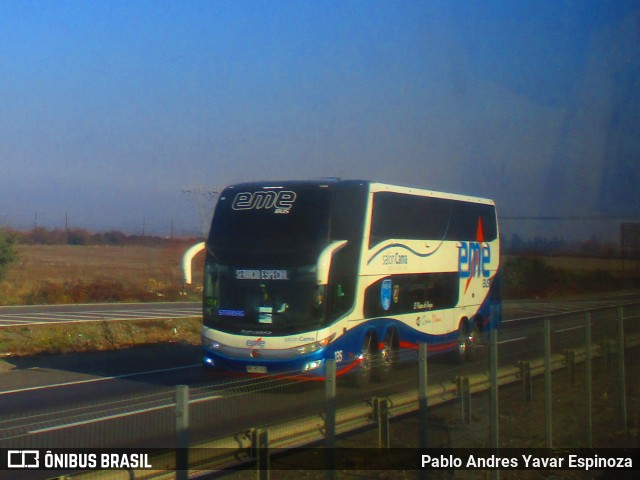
(443, 290)
(372, 306)
(342, 282)
(340, 296)
(417, 298)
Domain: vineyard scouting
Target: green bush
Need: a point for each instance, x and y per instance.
(528, 277)
(532, 277)
(7, 250)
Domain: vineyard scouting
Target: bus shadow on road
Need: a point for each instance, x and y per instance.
(162, 363)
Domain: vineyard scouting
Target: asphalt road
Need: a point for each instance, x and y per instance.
(43, 314)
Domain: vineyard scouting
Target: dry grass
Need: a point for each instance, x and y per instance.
(52, 273)
(28, 340)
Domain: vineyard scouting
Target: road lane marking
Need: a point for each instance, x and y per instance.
(579, 327)
(95, 420)
(119, 304)
(521, 319)
(116, 415)
(93, 314)
(115, 318)
(92, 380)
(19, 315)
(512, 340)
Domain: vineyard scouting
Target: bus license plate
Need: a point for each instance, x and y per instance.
(256, 369)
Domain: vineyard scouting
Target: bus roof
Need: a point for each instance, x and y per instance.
(371, 186)
(383, 187)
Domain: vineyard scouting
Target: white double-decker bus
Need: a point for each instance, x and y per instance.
(304, 271)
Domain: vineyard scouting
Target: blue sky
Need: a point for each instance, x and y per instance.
(110, 109)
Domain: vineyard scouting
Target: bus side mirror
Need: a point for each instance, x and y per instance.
(324, 261)
(186, 261)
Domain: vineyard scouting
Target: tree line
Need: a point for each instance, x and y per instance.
(79, 236)
(543, 246)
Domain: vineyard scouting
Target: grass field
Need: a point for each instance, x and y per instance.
(67, 274)
(29, 340)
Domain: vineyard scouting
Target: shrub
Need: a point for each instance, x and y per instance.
(531, 277)
(7, 250)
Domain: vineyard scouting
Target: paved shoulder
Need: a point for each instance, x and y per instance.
(44, 314)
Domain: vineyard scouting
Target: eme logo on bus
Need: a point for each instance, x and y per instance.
(280, 201)
(260, 343)
(473, 260)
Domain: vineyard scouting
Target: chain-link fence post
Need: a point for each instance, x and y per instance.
(527, 381)
(381, 414)
(548, 407)
(463, 391)
(622, 392)
(588, 377)
(570, 362)
(493, 395)
(330, 419)
(423, 403)
(182, 432)
(260, 451)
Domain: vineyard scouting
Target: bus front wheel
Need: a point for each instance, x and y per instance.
(364, 369)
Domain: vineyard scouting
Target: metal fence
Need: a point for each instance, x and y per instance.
(563, 381)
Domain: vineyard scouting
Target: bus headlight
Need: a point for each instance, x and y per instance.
(312, 365)
(313, 347)
(212, 344)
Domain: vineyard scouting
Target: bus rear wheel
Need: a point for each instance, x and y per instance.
(461, 352)
(387, 357)
(475, 341)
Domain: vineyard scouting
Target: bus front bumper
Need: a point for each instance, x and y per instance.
(312, 365)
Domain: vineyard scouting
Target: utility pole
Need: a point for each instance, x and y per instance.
(205, 202)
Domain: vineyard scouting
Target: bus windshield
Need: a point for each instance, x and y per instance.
(283, 301)
(260, 273)
(269, 226)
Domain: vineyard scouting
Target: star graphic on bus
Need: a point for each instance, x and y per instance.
(474, 265)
